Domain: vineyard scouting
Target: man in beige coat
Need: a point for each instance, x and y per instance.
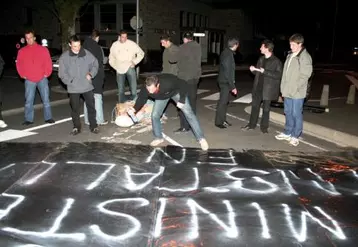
(123, 57)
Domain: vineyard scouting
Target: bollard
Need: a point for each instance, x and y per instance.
(325, 96)
(351, 95)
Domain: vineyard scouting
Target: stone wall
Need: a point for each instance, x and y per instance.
(167, 17)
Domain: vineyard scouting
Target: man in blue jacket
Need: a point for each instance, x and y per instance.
(77, 68)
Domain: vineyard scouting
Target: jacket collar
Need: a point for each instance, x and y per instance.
(81, 53)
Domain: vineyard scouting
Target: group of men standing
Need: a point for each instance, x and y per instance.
(81, 70)
(270, 78)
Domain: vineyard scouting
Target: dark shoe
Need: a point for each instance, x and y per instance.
(265, 131)
(75, 131)
(95, 130)
(26, 123)
(181, 130)
(50, 121)
(221, 126)
(227, 123)
(247, 127)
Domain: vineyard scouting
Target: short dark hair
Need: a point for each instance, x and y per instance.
(123, 32)
(268, 44)
(188, 35)
(151, 80)
(28, 31)
(297, 38)
(232, 42)
(166, 37)
(74, 38)
(95, 33)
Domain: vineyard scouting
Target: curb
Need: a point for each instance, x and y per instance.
(53, 103)
(330, 135)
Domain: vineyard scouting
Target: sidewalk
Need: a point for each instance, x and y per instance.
(339, 125)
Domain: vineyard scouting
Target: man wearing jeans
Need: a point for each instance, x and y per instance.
(91, 44)
(161, 89)
(2, 123)
(77, 68)
(34, 64)
(124, 55)
(296, 73)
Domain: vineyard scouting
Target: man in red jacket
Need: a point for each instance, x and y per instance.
(35, 66)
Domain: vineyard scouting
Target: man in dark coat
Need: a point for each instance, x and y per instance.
(226, 81)
(189, 70)
(2, 123)
(268, 73)
(91, 44)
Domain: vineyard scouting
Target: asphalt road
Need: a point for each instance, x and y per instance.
(232, 137)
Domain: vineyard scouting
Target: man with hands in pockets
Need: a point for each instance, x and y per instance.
(77, 67)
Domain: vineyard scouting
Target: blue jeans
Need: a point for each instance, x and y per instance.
(158, 108)
(132, 80)
(294, 117)
(98, 102)
(30, 91)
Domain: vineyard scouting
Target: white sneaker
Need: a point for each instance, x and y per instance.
(294, 141)
(204, 144)
(2, 124)
(283, 136)
(156, 142)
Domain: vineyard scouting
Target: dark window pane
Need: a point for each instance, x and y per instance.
(108, 17)
(86, 18)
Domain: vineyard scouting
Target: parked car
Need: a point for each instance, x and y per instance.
(55, 59)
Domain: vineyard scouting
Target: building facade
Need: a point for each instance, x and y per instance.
(158, 17)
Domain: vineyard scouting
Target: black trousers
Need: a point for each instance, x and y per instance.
(222, 105)
(192, 92)
(1, 104)
(255, 111)
(75, 103)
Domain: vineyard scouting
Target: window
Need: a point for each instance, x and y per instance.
(183, 19)
(86, 14)
(129, 10)
(108, 17)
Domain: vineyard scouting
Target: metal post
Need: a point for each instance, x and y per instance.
(137, 31)
(334, 30)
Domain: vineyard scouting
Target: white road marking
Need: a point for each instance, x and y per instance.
(246, 99)
(214, 96)
(167, 138)
(48, 125)
(245, 120)
(11, 134)
(209, 75)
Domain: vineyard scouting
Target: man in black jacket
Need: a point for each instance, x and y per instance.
(226, 80)
(2, 123)
(189, 70)
(91, 44)
(161, 88)
(268, 73)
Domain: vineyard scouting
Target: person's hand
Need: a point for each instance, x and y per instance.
(132, 65)
(234, 91)
(131, 110)
(180, 105)
(89, 77)
(252, 68)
